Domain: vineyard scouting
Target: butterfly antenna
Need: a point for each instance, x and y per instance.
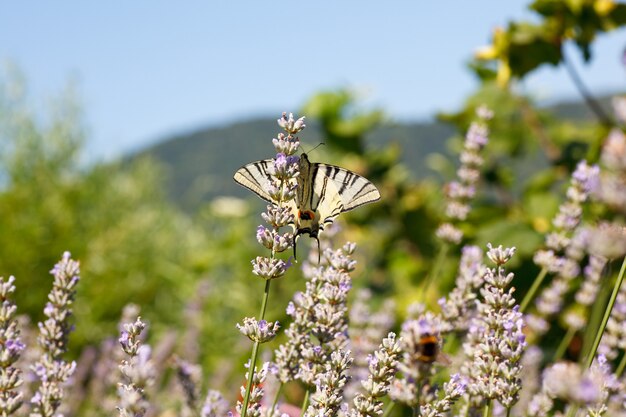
(318, 145)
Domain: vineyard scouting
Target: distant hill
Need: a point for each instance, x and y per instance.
(200, 164)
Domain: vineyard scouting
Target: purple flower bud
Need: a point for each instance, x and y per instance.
(48, 309)
(15, 346)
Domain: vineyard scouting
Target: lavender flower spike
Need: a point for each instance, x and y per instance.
(214, 405)
(256, 391)
(453, 390)
(326, 401)
(137, 369)
(51, 370)
(495, 342)
(280, 187)
(460, 193)
(382, 368)
(11, 348)
(258, 331)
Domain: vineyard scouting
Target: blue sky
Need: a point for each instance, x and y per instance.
(148, 69)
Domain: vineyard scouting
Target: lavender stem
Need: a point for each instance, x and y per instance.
(443, 251)
(620, 368)
(389, 409)
(305, 402)
(560, 351)
(607, 313)
(533, 289)
(278, 391)
(487, 409)
(255, 351)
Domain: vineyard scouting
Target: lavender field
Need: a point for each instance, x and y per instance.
(344, 285)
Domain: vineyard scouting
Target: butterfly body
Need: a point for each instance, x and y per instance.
(324, 191)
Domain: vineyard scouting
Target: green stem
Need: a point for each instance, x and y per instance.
(280, 388)
(533, 290)
(487, 409)
(607, 314)
(416, 409)
(595, 317)
(572, 410)
(389, 409)
(621, 366)
(305, 403)
(508, 412)
(560, 351)
(255, 352)
(441, 257)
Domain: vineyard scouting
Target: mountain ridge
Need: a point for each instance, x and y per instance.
(200, 163)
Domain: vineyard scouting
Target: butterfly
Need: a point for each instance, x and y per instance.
(324, 191)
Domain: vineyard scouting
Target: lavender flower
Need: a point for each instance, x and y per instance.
(188, 376)
(453, 390)
(11, 348)
(576, 316)
(420, 342)
(137, 370)
(567, 382)
(214, 405)
(258, 331)
(461, 192)
(51, 370)
(291, 125)
(495, 342)
(530, 377)
(256, 391)
(327, 398)
(612, 189)
(320, 312)
(281, 189)
(608, 240)
(382, 368)
(614, 337)
(457, 308)
(366, 330)
(601, 376)
(557, 258)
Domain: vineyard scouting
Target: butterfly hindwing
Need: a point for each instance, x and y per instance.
(256, 177)
(329, 204)
(353, 189)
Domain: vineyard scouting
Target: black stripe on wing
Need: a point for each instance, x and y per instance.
(353, 189)
(255, 177)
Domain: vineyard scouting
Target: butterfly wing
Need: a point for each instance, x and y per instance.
(255, 177)
(326, 200)
(353, 189)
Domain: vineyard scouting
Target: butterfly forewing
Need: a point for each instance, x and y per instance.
(255, 177)
(329, 204)
(353, 189)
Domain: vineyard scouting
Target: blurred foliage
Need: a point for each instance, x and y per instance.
(401, 225)
(134, 245)
(528, 160)
(523, 46)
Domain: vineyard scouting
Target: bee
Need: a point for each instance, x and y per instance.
(428, 348)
